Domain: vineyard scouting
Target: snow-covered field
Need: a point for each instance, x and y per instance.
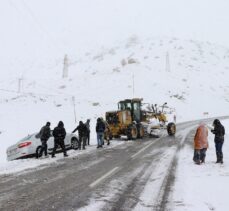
(202, 187)
(100, 80)
(112, 56)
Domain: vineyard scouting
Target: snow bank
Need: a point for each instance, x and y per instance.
(34, 164)
(202, 187)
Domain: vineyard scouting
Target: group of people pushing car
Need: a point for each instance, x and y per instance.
(59, 134)
(201, 142)
(200, 139)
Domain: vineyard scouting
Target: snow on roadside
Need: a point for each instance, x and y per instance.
(148, 197)
(158, 177)
(202, 187)
(34, 164)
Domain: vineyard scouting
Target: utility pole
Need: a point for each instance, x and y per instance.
(167, 67)
(65, 69)
(19, 84)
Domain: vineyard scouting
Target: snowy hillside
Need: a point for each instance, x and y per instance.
(196, 77)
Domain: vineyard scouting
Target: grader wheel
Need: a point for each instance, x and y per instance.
(132, 132)
(171, 129)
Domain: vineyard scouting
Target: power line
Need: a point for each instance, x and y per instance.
(42, 29)
(31, 13)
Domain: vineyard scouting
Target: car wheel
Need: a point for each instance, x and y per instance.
(74, 143)
(38, 152)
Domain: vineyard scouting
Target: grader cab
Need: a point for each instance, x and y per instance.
(128, 120)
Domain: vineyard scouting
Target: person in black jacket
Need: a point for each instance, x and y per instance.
(59, 134)
(219, 132)
(88, 131)
(44, 135)
(83, 133)
(100, 129)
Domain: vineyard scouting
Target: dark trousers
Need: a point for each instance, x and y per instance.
(199, 155)
(44, 147)
(59, 143)
(84, 140)
(196, 156)
(88, 138)
(203, 154)
(218, 149)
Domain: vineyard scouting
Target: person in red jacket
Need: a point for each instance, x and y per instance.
(200, 144)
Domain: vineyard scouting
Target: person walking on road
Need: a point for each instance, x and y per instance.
(88, 131)
(219, 133)
(44, 135)
(59, 134)
(200, 144)
(107, 133)
(83, 134)
(100, 128)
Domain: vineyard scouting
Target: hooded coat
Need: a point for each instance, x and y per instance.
(59, 132)
(45, 132)
(201, 137)
(82, 129)
(219, 131)
(100, 126)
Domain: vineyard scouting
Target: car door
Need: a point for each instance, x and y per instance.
(50, 142)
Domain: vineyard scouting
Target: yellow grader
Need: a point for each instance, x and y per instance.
(129, 119)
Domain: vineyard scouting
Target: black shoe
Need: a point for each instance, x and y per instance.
(53, 156)
(65, 155)
(84, 148)
(202, 161)
(98, 146)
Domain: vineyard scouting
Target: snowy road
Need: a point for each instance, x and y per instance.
(131, 176)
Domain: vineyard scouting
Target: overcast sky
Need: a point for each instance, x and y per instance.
(34, 25)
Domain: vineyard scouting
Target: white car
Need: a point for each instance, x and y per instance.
(31, 146)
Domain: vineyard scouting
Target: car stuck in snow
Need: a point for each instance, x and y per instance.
(30, 146)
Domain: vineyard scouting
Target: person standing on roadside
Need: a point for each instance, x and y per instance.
(219, 133)
(59, 134)
(44, 135)
(83, 132)
(88, 131)
(100, 128)
(200, 144)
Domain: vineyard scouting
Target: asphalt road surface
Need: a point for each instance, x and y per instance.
(118, 178)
